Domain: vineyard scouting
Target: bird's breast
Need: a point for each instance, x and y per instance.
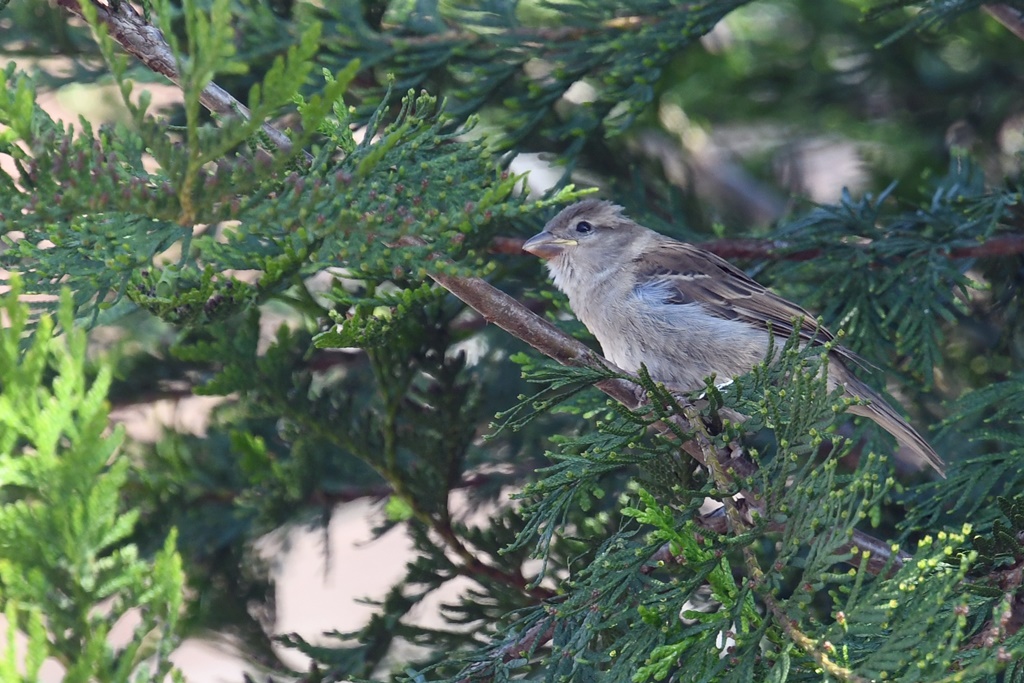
(681, 344)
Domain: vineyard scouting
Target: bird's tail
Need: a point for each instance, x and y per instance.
(916, 450)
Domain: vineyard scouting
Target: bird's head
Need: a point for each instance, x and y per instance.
(588, 231)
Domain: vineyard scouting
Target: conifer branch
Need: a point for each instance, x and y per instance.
(473, 567)
(801, 639)
(146, 43)
(741, 524)
(536, 636)
(876, 553)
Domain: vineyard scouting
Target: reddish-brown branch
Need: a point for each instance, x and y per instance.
(755, 249)
(1010, 17)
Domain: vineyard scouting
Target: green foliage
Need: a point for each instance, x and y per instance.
(674, 616)
(485, 62)
(1005, 547)
(985, 416)
(929, 14)
(69, 572)
(911, 624)
(879, 316)
(625, 606)
(293, 280)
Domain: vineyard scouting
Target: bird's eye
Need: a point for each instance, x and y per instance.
(584, 228)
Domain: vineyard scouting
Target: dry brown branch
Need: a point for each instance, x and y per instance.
(148, 45)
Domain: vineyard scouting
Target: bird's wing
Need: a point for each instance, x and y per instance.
(683, 274)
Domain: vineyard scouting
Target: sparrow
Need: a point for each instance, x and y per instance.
(686, 313)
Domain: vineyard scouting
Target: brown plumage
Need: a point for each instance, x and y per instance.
(684, 312)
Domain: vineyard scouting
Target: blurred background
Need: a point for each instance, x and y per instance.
(781, 106)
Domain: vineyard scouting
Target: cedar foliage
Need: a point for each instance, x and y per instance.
(193, 234)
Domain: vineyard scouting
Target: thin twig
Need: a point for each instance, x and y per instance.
(817, 652)
(755, 249)
(344, 494)
(148, 45)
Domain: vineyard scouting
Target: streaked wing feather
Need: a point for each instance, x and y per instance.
(689, 275)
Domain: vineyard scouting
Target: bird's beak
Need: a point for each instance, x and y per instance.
(547, 246)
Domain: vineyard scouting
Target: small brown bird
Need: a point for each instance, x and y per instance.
(684, 312)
